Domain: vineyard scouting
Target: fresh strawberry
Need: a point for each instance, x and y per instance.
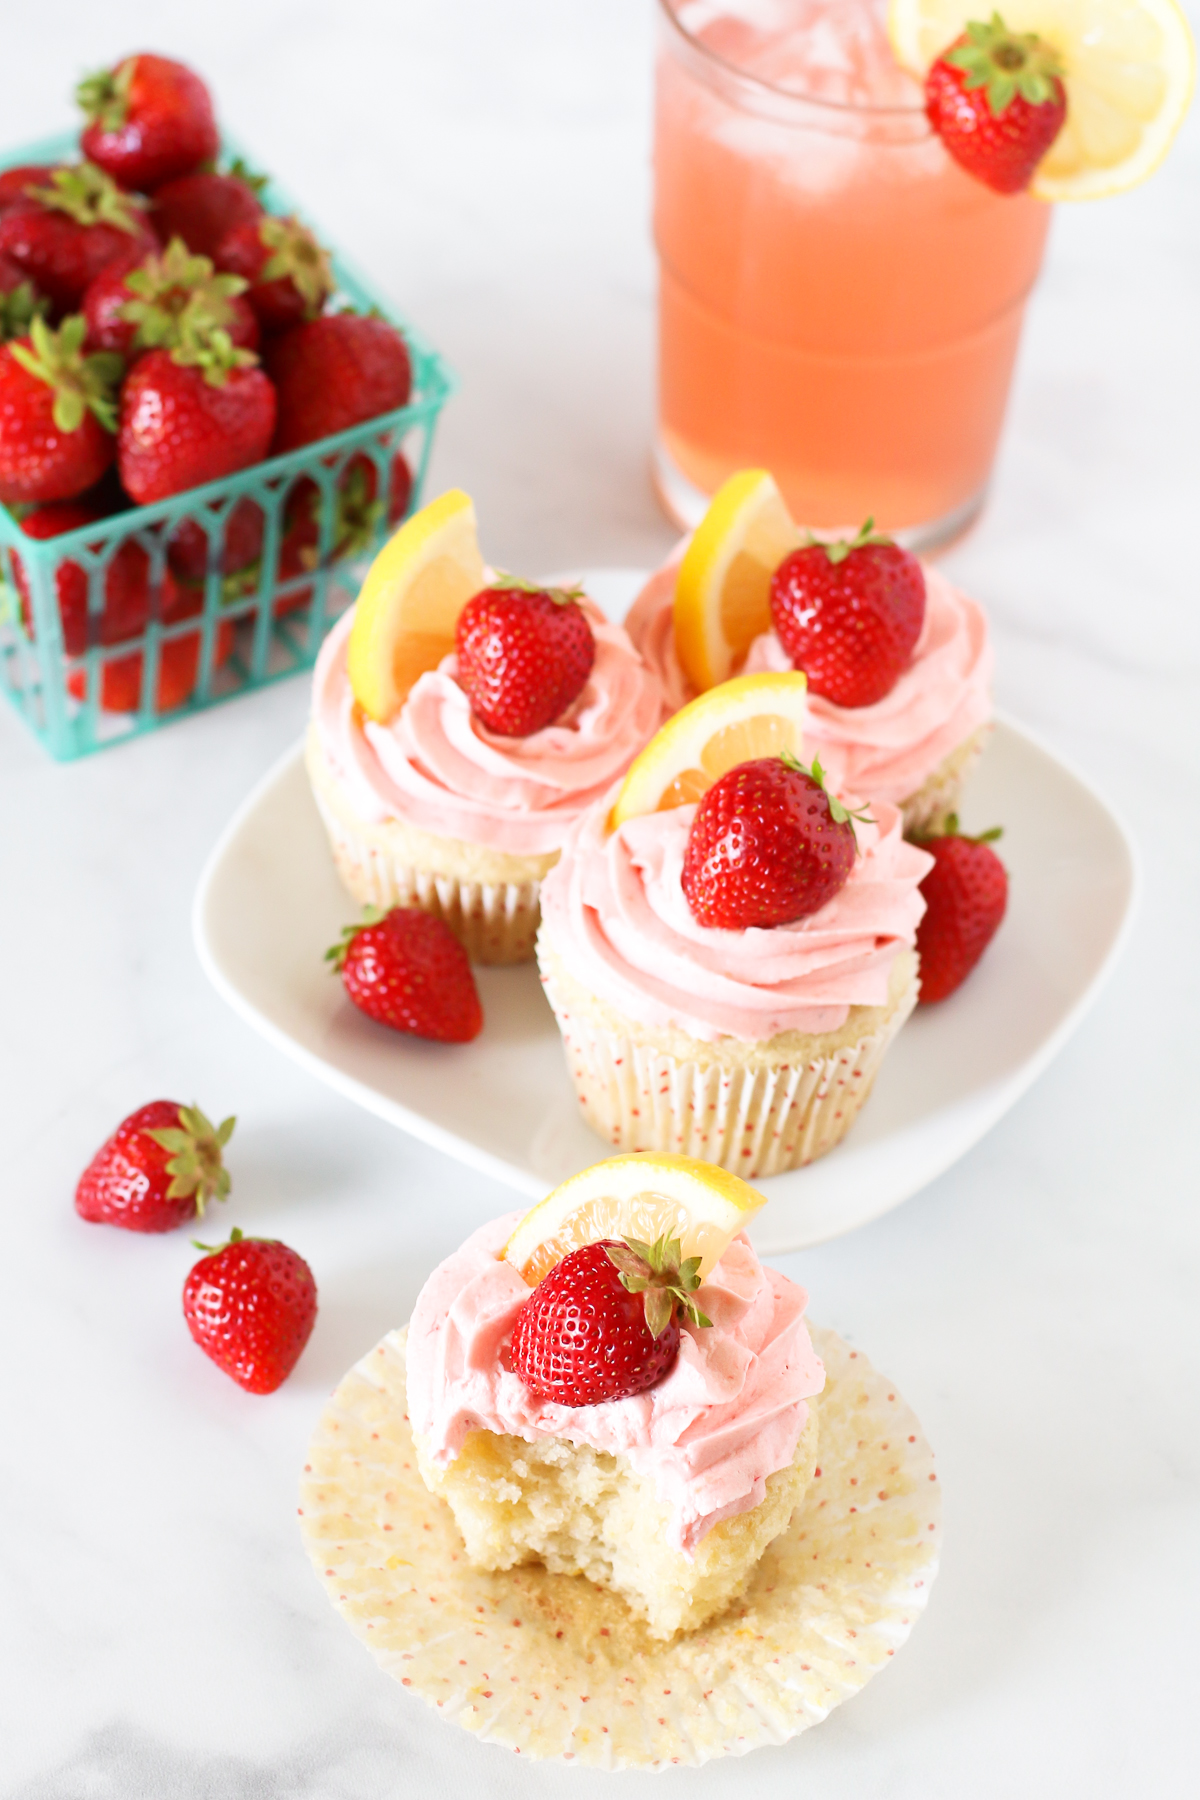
(178, 665)
(251, 1305)
(14, 183)
(768, 844)
(290, 275)
(203, 209)
(64, 233)
(191, 415)
(57, 414)
(237, 544)
(849, 614)
(127, 583)
(604, 1322)
(524, 654)
(157, 302)
(149, 120)
(996, 100)
(966, 893)
(408, 970)
(334, 372)
(20, 302)
(158, 1170)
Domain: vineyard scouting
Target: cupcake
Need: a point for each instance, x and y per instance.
(728, 974)
(606, 1499)
(908, 730)
(460, 727)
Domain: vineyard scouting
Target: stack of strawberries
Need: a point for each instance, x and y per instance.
(159, 330)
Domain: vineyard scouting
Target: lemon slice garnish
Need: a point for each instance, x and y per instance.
(748, 717)
(643, 1196)
(1130, 68)
(722, 593)
(415, 589)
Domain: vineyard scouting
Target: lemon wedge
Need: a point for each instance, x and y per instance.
(405, 615)
(722, 592)
(748, 717)
(640, 1196)
(1130, 68)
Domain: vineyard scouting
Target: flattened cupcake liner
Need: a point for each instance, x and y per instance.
(926, 811)
(496, 922)
(551, 1666)
(755, 1118)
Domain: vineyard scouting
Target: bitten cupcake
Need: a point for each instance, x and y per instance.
(728, 974)
(608, 1499)
(459, 727)
(898, 660)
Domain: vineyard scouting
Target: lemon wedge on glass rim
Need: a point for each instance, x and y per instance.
(742, 719)
(722, 591)
(642, 1195)
(1130, 69)
(409, 604)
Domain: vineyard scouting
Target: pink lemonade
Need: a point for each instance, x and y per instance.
(839, 302)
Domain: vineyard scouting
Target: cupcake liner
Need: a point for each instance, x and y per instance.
(755, 1118)
(550, 1666)
(496, 921)
(926, 811)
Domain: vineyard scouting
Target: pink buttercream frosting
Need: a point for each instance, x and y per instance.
(435, 766)
(885, 751)
(614, 909)
(728, 1414)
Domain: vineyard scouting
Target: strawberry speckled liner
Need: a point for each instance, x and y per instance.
(757, 1117)
(552, 1666)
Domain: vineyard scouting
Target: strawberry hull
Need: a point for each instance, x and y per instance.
(261, 608)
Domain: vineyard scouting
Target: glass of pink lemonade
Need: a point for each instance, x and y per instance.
(839, 302)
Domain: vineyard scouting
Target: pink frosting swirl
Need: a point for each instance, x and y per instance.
(885, 751)
(435, 766)
(728, 1414)
(614, 909)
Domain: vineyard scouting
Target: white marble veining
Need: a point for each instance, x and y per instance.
(161, 1634)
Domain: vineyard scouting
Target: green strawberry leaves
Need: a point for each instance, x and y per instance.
(296, 256)
(838, 813)
(90, 197)
(104, 95)
(336, 954)
(1006, 63)
(662, 1276)
(81, 384)
(195, 1164)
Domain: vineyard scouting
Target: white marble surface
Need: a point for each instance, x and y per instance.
(161, 1633)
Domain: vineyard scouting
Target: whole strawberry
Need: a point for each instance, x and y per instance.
(251, 1305)
(149, 120)
(849, 614)
(63, 233)
(235, 545)
(996, 100)
(966, 893)
(57, 414)
(334, 372)
(768, 845)
(524, 655)
(158, 1170)
(158, 301)
(290, 275)
(604, 1323)
(407, 969)
(203, 209)
(190, 415)
(127, 584)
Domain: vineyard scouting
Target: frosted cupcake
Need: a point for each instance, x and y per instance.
(589, 1505)
(692, 1020)
(449, 764)
(907, 730)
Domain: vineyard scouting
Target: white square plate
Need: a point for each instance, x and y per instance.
(269, 904)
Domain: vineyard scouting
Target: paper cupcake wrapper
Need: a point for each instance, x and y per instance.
(550, 1666)
(496, 922)
(755, 1119)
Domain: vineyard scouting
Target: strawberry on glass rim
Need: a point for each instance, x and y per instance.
(1126, 69)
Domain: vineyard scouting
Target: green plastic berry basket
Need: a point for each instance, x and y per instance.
(231, 633)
